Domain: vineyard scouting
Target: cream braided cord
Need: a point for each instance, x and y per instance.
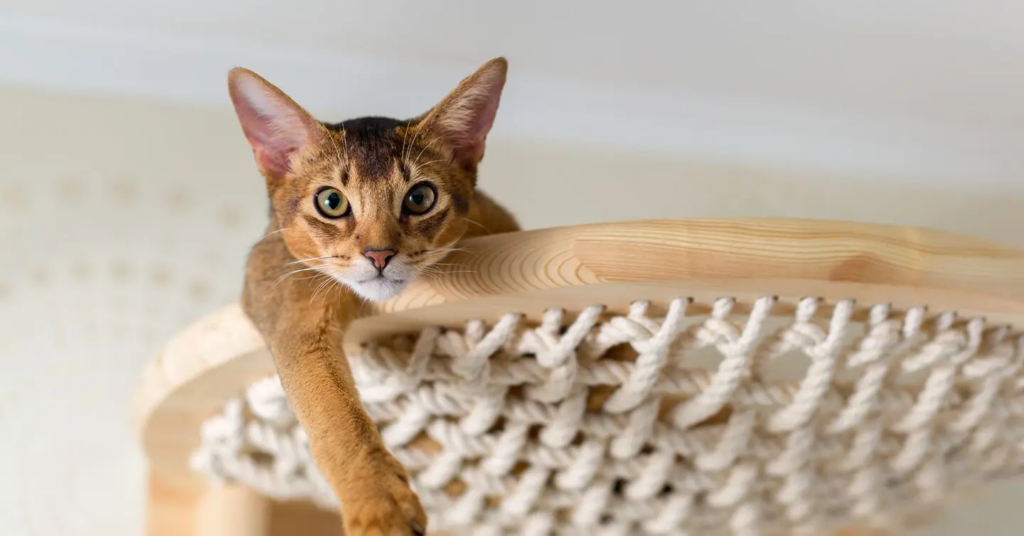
(833, 416)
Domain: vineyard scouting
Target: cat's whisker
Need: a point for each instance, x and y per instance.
(300, 270)
(431, 162)
(329, 284)
(415, 137)
(451, 269)
(427, 146)
(447, 248)
(293, 263)
(334, 142)
(405, 140)
(344, 139)
(272, 233)
(478, 224)
(440, 251)
(334, 285)
(282, 278)
(310, 278)
(318, 277)
(434, 258)
(293, 272)
(318, 288)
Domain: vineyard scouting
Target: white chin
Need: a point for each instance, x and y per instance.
(378, 289)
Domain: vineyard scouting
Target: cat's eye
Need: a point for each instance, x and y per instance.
(331, 203)
(420, 199)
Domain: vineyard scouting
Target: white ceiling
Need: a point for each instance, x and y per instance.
(949, 69)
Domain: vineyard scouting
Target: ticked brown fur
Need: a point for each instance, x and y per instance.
(298, 278)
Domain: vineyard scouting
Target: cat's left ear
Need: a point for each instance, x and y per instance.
(465, 116)
(277, 128)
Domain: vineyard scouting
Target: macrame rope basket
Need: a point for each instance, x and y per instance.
(752, 377)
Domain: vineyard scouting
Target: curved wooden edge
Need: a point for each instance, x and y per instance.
(725, 249)
(197, 371)
(614, 264)
(609, 264)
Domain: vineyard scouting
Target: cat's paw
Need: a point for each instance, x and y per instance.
(381, 503)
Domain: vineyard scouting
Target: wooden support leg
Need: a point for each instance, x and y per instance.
(206, 509)
(171, 510)
(233, 510)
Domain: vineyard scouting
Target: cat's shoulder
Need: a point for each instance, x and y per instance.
(489, 217)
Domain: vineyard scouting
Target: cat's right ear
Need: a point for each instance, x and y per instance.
(277, 128)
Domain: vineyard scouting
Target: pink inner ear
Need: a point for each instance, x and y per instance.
(470, 116)
(274, 127)
(272, 152)
(485, 114)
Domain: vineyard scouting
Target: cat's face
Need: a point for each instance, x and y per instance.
(377, 210)
(373, 203)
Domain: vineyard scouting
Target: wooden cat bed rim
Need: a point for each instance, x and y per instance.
(611, 264)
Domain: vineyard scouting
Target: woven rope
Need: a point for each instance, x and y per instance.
(819, 420)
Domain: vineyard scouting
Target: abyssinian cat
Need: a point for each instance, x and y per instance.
(369, 204)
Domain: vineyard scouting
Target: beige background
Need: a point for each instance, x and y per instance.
(122, 221)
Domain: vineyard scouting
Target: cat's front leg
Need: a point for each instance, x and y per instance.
(373, 488)
(304, 338)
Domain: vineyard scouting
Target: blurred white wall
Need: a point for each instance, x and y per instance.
(128, 196)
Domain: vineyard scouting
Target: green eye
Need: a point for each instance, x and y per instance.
(331, 203)
(420, 199)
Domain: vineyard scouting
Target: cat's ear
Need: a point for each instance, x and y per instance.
(465, 116)
(277, 128)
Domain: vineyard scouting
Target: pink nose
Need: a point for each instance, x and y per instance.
(379, 257)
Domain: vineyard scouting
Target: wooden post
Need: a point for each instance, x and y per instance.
(233, 510)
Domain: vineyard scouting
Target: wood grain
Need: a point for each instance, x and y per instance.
(607, 264)
(615, 264)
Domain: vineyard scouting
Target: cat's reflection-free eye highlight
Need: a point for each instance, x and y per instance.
(331, 203)
(420, 199)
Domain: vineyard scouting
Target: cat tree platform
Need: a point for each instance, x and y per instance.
(752, 377)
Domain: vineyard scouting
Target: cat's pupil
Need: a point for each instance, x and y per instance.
(333, 200)
(417, 198)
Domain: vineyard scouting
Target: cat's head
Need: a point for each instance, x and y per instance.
(372, 202)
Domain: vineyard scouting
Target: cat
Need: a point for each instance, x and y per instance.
(366, 206)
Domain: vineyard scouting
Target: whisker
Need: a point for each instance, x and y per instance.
(415, 137)
(446, 249)
(324, 284)
(478, 224)
(334, 142)
(344, 139)
(428, 163)
(300, 270)
(313, 277)
(427, 146)
(444, 252)
(405, 139)
(293, 272)
(310, 259)
(272, 233)
(335, 285)
(320, 276)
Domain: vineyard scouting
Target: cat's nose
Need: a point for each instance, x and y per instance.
(379, 257)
